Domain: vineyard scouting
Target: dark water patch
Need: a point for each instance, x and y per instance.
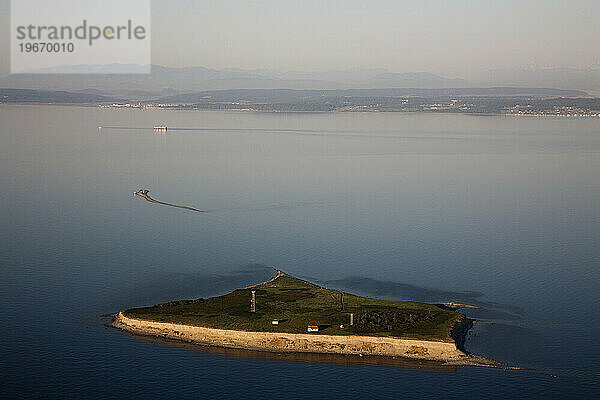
(404, 291)
(491, 314)
(255, 269)
(399, 290)
(506, 342)
(158, 286)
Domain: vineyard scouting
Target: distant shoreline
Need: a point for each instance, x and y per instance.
(354, 111)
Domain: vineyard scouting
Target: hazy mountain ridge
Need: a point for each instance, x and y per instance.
(188, 84)
(197, 78)
(162, 79)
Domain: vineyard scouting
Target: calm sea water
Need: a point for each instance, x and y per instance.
(499, 211)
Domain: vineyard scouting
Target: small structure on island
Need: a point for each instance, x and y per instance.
(275, 322)
(312, 328)
(351, 319)
(253, 302)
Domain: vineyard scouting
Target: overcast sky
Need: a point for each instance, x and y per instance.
(454, 38)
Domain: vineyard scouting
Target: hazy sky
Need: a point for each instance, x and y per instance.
(452, 38)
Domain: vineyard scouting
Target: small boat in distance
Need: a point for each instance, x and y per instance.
(160, 128)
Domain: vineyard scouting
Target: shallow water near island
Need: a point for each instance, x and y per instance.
(499, 212)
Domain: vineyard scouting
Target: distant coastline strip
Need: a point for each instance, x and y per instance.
(144, 194)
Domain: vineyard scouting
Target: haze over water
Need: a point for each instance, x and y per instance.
(502, 212)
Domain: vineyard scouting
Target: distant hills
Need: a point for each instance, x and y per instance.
(163, 80)
(91, 83)
(497, 100)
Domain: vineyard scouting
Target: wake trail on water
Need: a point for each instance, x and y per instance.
(302, 132)
(144, 194)
(281, 206)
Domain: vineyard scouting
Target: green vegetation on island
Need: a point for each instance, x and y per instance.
(291, 305)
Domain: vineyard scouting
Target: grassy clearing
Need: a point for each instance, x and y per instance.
(296, 304)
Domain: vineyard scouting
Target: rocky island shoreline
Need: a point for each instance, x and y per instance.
(286, 314)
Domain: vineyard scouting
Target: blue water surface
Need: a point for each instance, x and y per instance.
(501, 212)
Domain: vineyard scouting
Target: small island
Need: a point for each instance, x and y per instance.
(287, 314)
